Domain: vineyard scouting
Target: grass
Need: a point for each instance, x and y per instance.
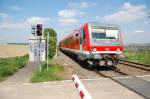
(141, 56)
(52, 74)
(9, 66)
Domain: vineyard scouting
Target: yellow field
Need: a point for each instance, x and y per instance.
(13, 50)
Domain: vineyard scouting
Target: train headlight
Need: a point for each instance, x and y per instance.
(118, 49)
(94, 49)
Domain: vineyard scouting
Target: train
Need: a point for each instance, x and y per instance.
(95, 43)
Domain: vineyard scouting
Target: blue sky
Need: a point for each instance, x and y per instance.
(17, 16)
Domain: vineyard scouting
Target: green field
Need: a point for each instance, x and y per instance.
(141, 56)
(53, 73)
(9, 66)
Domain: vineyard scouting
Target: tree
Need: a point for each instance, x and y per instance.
(52, 41)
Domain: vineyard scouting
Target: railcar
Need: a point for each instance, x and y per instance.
(95, 43)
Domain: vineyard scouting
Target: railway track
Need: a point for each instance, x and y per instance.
(130, 87)
(110, 72)
(121, 72)
(135, 65)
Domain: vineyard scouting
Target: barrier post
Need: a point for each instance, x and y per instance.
(80, 87)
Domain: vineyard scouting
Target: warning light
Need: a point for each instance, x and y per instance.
(39, 30)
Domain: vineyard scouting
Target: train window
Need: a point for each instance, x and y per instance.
(76, 34)
(98, 35)
(76, 38)
(104, 34)
(80, 37)
(84, 36)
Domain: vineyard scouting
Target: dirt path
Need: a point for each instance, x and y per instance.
(23, 75)
(73, 67)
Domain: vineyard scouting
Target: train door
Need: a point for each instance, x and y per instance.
(82, 41)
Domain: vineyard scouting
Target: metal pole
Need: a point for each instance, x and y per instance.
(40, 67)
(47, 48)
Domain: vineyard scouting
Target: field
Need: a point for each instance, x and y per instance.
(141, 56)
(13, 50)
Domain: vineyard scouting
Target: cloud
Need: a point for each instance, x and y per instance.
(4, 15)
(9, 23)
(12, 25)
(69, 15)
(84, 5)
(128, 13)
(66, 13)
(15, 7)
(138, 32)
(67, 21)
(37, 20)
(81, 5)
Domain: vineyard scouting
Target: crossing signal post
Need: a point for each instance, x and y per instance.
(37, 45)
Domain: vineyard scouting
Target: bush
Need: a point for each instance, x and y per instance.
(52, 41)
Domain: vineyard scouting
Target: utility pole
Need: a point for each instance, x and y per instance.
(47, 48)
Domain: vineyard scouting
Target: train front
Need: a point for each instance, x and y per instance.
(105, 44)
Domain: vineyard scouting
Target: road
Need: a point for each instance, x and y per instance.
(23, 75)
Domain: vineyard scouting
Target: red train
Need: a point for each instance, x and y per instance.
(95, 43)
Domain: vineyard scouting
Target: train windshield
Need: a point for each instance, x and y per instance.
(104, 34)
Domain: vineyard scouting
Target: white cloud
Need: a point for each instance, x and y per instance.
(9, 23)
(66, 21)
(3, 15)
(127, 13)
(69, 16)
(138, 32)
(16, 8)
(38, 20)
(84, 5)
(78, 5)
(66, 13)
(12, 25)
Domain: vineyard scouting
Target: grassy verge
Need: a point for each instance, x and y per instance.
(54, 73)
(138, 56)
(9, 66)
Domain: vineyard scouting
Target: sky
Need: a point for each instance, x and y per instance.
(17, 16)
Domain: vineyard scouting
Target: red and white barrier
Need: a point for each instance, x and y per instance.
(82, 91)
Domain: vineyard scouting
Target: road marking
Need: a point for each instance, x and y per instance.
(143, 76)
(101, 78)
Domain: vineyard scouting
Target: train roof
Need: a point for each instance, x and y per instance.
(94, 24)
(102, 24)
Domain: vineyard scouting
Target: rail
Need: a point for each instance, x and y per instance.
(135, 65)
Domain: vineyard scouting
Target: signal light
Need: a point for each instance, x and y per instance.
(39, 30)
